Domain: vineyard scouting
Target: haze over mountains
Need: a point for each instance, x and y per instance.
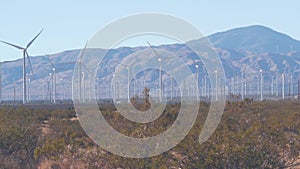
(246, 49)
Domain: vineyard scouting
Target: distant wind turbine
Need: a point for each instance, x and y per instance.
(54, 75)
(80, 71)
(160, 71)
(82, 76)
(128, 79)
(24, 49)
(83, 80)
(160, 59)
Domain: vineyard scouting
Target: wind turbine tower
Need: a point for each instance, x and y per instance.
(282, 88)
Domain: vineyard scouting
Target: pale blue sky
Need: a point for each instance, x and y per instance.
(68, 24)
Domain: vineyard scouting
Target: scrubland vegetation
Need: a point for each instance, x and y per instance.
(250, 135)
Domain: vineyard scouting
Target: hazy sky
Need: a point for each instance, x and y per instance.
(68, 24)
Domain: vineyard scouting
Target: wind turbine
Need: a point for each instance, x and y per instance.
(46, 86)
(216, 72)
(80, 71)
(28, 88)
(128, 79)
(113, 87)
(82, 77)
(246, 87)
(54, 75)
(272, 85)
(160, 70)
(90, 82)
(243, 83)
(24, 49)
(171, 84)
(205, 86)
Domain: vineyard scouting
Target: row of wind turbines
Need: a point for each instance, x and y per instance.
(234, 86)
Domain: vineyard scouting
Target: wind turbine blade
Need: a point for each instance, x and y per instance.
(10, 44)
(34, 39)
(121, 64)
(165, 58)
(28, 57)
(59, 76)
(82, 52)
(85, 67)
(47, 56)
(153, 49)
(44, 68)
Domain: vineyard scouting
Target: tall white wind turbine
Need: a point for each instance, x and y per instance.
(24, 50)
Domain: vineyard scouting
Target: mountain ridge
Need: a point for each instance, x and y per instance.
(255, 38)
(235, 60)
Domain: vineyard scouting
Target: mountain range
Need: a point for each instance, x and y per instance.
(245, 49)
